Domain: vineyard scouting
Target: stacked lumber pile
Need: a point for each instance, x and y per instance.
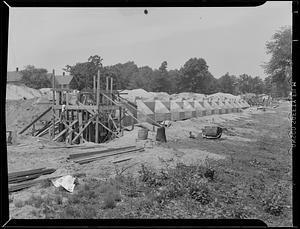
(25, 179)
(87, 157)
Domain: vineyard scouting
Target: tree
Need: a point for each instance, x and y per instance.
(257, 85)
(161, 82)
(174, 77)
(227, 83)
(35, 77)
(280, 64)
(84, 73)
(125, 73)
(195, 77)
(142, 79)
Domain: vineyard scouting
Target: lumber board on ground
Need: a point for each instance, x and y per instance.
(32, 175)
(121, 160)
(24, 178)
(25, 172)
(83, 161)
(28, 184)
(86, 154)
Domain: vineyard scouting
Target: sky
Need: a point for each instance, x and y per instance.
(230, 39)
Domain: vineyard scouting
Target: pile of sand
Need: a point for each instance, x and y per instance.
(222, 96)
(21, 112)
(163, 96)
(131, 95)
(16, 92)
(188, 95)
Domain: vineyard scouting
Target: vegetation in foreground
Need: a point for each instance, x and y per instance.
(181, 191)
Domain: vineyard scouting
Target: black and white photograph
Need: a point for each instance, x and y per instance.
(150, 113)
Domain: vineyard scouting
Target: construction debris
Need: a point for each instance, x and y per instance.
(212, 132)
(26, 178)
(67, 182)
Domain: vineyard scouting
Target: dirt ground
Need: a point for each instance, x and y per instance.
(252, 134)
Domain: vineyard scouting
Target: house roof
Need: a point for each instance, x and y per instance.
(59, 79)
(63, 79)
(14, 76)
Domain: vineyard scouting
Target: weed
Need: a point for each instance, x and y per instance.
(109, 201)
(35, 200)
(19, 203)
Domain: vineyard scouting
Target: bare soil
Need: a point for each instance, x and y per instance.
(254, 143)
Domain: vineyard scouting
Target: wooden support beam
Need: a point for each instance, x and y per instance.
(80, 125)
(108, 129)
(98, 101)
(53, 117)
(94, 84)
(113, 122)
(35, 120)
(64, 131)
(47, 129)
(85, 126)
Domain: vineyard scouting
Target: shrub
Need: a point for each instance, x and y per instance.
(109, 201)
(19, 203)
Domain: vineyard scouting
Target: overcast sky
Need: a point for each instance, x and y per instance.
(229, 39)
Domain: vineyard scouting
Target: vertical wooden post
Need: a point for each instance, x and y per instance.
(90, 132)
(80, 126)
(98, 100)
(107, 90)
(111, 89)
(53, 103)
(94, 84)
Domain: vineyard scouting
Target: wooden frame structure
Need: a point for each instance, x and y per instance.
(97, 116)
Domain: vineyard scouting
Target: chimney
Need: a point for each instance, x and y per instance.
(63, 73)
(17, 69)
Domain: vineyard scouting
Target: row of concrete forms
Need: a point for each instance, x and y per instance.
(187, 108)
(99, 117)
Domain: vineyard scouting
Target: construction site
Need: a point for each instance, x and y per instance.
(69, 143)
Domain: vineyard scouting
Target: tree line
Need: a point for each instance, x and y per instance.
(193, 76)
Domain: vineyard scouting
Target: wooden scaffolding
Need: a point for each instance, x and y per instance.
(97, 116)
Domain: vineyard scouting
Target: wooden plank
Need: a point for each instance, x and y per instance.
(46, 130)
(80, 125)
(84, 161)
(86, 154)
(97, 103)
(77, 107)
(121, 160)
(24, 173)
(35, 120)
(108, 129)
(64, 131)
(85, 126)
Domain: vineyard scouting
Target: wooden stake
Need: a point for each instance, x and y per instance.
(98, 100)
(80, 126)
(53, 116)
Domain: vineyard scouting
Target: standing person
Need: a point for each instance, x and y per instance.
(63, 112)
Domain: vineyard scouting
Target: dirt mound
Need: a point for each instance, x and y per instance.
(187, 95)
(136, 93)
(16, 92)
(21, 112)
(222, 96)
